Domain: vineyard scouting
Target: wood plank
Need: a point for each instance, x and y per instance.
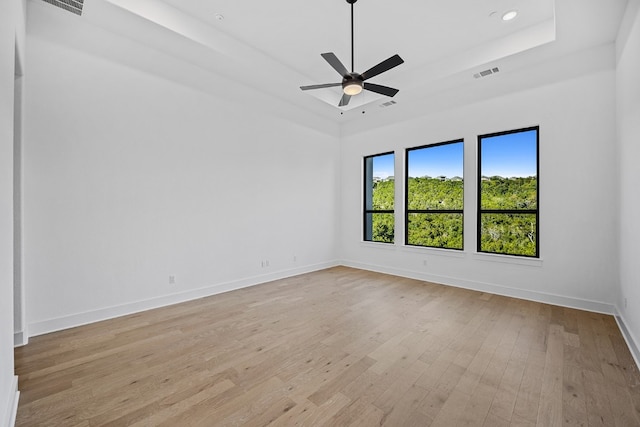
(550, 407)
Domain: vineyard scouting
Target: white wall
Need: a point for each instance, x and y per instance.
(130, 178)
(11, 39)
(628, 112)
(578, 204)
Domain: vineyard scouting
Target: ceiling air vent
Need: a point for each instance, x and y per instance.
(388, 104)
(73, 6)
(486, 73)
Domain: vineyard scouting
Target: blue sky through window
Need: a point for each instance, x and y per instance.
(510, 155)
(440, 160)
(383, 166)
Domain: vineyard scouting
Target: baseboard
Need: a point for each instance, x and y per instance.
(560, 300)
(9, 418)
(79, 319)
(629, 338)
(20, 338)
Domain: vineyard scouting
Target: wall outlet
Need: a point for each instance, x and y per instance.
(172, 279)
(424, 262)
(625, 302)
(295, 258)
(264, 263)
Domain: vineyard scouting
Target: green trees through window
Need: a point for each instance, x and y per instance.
(508, 192)
(435, 195)
(379, 198)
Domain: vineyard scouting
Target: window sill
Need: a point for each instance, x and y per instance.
(424, 250)
(508, 259)
(378, 245)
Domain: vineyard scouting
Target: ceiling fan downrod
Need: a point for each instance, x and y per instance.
(351, 2)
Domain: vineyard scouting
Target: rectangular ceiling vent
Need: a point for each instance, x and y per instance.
(73, 6)
(388, 104)
(486, 73)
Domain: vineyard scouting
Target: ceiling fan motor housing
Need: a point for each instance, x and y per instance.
(352, 78)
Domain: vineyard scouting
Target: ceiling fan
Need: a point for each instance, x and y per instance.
(353, 83)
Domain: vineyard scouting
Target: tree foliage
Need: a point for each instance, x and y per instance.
(383, 226)
(439, 230)
(509, 193)
(383, 195)
(432, 193)
(513, 234)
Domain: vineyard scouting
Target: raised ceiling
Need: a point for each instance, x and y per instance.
(274, 46)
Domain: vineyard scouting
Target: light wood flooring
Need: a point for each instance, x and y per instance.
(336, 347)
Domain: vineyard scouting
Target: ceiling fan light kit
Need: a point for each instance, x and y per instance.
(353, 83)
(352, 87)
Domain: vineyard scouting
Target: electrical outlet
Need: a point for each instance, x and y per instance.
(424, 262)
(172, 279)
(625, 303)
(295, 258)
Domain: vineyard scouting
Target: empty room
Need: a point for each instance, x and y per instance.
(327, 213)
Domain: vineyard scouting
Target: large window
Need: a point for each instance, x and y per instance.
(508, 192)
(379, 195)
(435, 195)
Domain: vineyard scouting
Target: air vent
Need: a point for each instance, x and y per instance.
(73, 6)
(388, 104)
(486, 73)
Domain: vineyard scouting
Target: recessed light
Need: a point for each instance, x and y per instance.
(220, 17)
(508, 16)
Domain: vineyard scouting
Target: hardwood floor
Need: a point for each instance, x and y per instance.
(337, 347)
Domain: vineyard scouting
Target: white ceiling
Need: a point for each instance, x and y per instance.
(422, 32)
(274, 46)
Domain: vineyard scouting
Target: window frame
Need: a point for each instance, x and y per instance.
(408, 211)
(366, 199)
(481, 211)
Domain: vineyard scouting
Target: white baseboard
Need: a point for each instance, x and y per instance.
(9, 418)
(564, 301)
(79, 319)
(632, 342)
(20, 338)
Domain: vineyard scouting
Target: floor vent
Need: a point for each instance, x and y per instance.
(73, 6)
(388, 104)
(486, 73)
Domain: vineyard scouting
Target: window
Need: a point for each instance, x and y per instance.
(379, 195)
(508, 192)
(435, 195)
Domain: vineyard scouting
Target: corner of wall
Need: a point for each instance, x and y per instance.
(9, 418)
(629, 338)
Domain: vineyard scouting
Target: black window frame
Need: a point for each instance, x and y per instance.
(430, 211)
(368, 199)
(536, 211)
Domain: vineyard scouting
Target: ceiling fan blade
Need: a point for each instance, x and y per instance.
(344, 100)
(384, 90)
(320, 86)
(333, 60)
(385, 65)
